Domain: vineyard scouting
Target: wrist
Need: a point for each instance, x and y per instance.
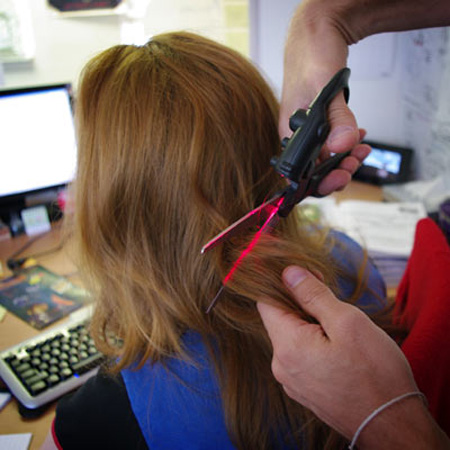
(405, 424)
(355, 20)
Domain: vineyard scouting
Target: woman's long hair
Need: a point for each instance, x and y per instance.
(175, 140)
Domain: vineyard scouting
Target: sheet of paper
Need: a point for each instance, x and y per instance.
(5, 397)
(15, 441)
(382, 227)
(386, 228)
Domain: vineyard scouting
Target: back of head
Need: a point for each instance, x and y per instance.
(175, 140)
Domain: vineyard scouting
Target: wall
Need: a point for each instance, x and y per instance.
(63, 44)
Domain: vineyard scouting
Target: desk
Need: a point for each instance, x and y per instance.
(360, 191)
(14, 330)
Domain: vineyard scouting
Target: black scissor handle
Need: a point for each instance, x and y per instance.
(311, 130)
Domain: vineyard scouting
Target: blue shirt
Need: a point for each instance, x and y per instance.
(180, 407)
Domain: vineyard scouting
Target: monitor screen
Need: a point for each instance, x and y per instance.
(386, 164)
(37, 139)
(384, 160)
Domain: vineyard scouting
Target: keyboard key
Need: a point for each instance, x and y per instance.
(43, 366)
(28, 374)
(22, 367)
(54, 369)
(53, 379)
(65, 373)
(53, 362)
(37, 388)
(13, 361)
(38, 377)
(35, 362)
(35, 353)
(87, 364)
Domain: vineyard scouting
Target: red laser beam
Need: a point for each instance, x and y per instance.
(253, 242)
(247, 250)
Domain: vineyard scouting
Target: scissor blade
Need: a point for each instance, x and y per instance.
(257, 215)
(269, 224)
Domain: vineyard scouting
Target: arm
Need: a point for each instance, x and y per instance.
(317, 47)
(345, 367)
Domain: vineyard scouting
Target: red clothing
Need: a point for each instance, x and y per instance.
(423, 305)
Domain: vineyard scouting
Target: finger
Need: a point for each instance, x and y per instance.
(361, 152)
(362, 134)
(313, 296)
(338, 178)
(344, 133)
(334, 181)
(276, 319)
(350, 164)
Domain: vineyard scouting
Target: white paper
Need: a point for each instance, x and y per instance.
(36, 220)
(382, 227)
(386, 228)
(15, 441)
(5, 397)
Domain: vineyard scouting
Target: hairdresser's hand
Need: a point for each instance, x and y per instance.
(316, 49)
(344, 367)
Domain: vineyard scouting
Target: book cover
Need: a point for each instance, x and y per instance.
(41, 297)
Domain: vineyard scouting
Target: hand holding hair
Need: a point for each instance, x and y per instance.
(345, 368)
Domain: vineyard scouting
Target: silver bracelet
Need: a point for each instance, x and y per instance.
(379, 410)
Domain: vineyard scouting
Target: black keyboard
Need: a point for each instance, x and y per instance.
(44, 368)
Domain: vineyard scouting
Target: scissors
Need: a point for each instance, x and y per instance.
(297, 163)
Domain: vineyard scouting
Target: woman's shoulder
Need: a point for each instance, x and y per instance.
(98, 415)
(350, 259)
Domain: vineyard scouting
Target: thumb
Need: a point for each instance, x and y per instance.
(344, 134)
(312, 295)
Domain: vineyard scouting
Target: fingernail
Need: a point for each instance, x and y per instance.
(294, 275)
(341, 133)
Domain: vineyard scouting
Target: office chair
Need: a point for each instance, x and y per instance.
(423, 306)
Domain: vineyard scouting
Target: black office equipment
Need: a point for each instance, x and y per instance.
(386, 164)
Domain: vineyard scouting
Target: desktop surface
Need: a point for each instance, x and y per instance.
(13, 330)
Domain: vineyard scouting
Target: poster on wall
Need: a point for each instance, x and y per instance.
(86, 7)
(16, 31)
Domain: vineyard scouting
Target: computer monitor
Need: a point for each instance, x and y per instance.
(37, 143)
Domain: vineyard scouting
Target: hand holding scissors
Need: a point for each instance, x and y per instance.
(297, 163)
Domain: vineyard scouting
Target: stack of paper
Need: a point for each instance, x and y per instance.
(386, 230)
(431, 193)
